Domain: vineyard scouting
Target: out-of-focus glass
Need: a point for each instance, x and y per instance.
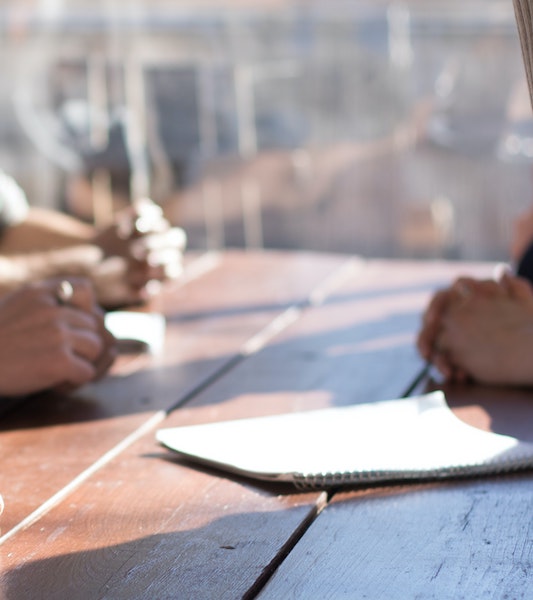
(384, 128)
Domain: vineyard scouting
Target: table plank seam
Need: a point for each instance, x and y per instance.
(318, 295)
(66, 490)
(254, 344)
(326, 498)
(267, 573)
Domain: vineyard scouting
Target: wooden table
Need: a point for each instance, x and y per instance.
(95, 508)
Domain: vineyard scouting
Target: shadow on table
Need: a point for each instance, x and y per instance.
(224, 558)
(504, 410)
(372, 359)
(334, 299)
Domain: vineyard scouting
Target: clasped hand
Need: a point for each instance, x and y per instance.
(47, 343)
(481, 330)
(140, 247)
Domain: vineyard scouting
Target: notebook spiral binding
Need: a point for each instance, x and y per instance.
(329, 480)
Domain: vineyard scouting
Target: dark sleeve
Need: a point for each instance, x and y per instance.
(525, 264)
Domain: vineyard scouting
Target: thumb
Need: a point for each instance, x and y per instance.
(517, 287)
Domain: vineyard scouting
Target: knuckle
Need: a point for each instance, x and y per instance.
(58, 333)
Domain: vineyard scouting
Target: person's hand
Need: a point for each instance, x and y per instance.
(429, 340)
(144, 238)
(110, 277)
(488, 333)
(115, 285)
(431, 322)
(431, 328)
(52, 338)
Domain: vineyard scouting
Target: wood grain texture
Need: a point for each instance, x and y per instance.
(356, 346)
(145, 525)
(50, 439)
(447, 541)
(452, 540)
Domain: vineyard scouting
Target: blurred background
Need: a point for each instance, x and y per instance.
(383, 128)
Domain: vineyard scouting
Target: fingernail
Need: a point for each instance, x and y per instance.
(500, 271)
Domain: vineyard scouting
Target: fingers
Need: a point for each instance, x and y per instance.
(81, 321)
(163, 251)
(63, 369)
(143, 217)
(152, 249)
(173, 238)
(112, 284)
(464, 323)
(72, 291)
(156, 257)
(86, 342)
(77, 371)
(83, 296)
(87, 347)
(431, 341)
(140, 273)
(431, 323)
(151, 257)
(465, 288)
(107, 356)
(444, 363)
(53, 334)
(517, 287)
(148, 217)
(93, 343)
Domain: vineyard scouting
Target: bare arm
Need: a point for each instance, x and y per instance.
(138, 248)
(20, 269)
(43, 230)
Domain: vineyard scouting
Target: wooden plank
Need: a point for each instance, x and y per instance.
(445, 541)
(458, 539)
(508, 411)
(355, 346)
(146, 527)
(146, 524)
(50, 440)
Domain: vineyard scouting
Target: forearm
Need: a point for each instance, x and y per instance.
(45, 230)
(17, 270)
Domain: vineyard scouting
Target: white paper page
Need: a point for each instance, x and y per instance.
(413, 434)
(146, 328)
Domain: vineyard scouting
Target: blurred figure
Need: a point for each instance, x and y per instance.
(122, 260)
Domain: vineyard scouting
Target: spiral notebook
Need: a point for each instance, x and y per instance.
(416, 438)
